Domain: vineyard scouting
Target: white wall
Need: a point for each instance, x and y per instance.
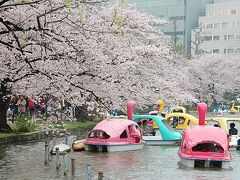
(214, 24)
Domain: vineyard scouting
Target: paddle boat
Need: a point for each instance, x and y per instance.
(180, 121)
(224, 123)
(62, 148)
(234, 109)
(221, 109)
(178, 108)
(78, 145)
(118, 117)
(153, 113)
(162, 132)
(204, 146)
(160, 107)
(112, 135)
(159, 112)
(193, 111)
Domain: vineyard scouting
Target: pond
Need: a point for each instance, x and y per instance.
(26, 161)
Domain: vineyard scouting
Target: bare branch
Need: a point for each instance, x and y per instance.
(20, 4)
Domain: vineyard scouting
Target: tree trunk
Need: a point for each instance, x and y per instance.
(4, 103)
(4, 127)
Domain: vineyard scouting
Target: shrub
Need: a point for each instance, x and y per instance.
(23, 124)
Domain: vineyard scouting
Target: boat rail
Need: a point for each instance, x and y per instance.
(102, 141)
(215, 155)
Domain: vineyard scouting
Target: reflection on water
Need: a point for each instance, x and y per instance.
(26, 161)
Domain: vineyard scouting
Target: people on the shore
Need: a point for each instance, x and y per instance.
(13, 107)
(36, 107)
(43, 106)
(21, 103)
(31, 106)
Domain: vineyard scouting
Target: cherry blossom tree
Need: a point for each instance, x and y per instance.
(81, 48)
(214, 75)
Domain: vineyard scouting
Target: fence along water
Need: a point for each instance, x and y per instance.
(73, 162)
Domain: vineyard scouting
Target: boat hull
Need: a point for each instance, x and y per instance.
(204, 163)
(157, 141)
(79, 145)
(113, 148)
(62, 148)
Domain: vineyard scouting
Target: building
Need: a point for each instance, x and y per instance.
(182, 13)
(219, 29)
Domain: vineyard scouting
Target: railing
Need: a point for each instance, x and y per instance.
(65, 161)
(215, 155)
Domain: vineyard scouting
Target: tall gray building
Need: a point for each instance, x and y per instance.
(181, 13)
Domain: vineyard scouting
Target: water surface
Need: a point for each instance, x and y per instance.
(26, 161)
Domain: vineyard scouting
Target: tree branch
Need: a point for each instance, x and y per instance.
(19, 4)
(3, 1)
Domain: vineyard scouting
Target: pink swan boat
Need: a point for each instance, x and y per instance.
(112, 135)
(204, 146)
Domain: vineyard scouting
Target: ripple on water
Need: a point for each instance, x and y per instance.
(26, 161)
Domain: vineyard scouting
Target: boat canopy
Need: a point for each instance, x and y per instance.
(115, 127)
(167, 132)
(178, 110)
(195, 135)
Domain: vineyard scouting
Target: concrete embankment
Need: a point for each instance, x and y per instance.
(38, 135)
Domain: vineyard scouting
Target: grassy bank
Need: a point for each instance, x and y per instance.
(69, 126)
(4, 135)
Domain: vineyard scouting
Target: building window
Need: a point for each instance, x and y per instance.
(180, 32)
(217, 13)
(177, 33)
(181, 17)
(209, 26)
(208, 38)
(215, 51)
(236, 24)
(238, 37)
(177, 18)
(216, 38)
(224, 25)
(230, 51)
(168, 33)
(232, 12)
(237, 50)
(216, 25)
(224, 12)
(210, 13)
(230, 37)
